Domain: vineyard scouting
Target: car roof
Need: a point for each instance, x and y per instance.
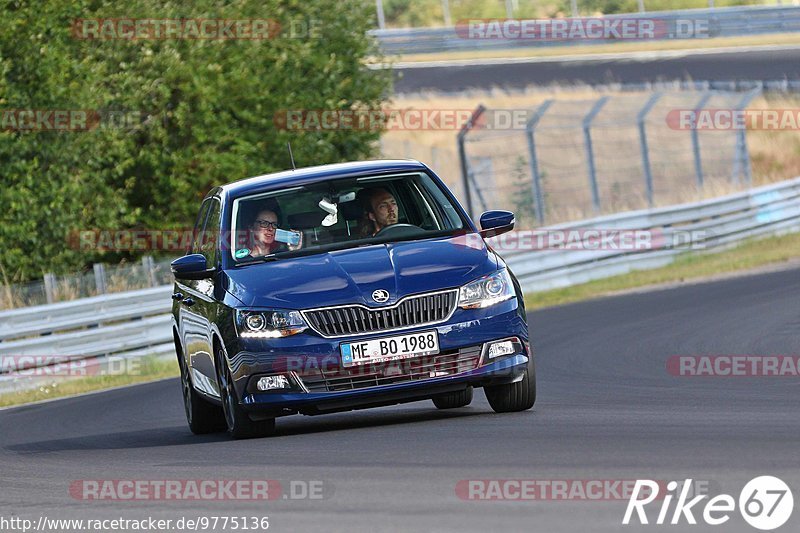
(303, 176)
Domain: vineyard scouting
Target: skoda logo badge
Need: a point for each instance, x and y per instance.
(380, 296)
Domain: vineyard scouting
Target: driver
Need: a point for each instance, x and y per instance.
(380, 210)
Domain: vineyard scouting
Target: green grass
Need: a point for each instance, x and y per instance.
(690, 266)
(149, 369)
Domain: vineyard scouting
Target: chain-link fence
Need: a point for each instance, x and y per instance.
(566, 160)
(101, 280)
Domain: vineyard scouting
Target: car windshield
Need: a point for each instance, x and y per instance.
(338, 214)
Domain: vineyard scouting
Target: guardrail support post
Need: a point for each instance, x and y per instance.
(446, 13)
(99, 277)
(587, 137)
(640, 118)
(698, 162)
(741, 157)
(534, 162)
(462, 156)
(381, 17)
(50, 287)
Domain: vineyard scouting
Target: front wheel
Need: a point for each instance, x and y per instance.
(452, 400)
(202, 416)
(513, 397)
(240, 426)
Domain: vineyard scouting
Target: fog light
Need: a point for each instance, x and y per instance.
(496, 349)
(273, 382)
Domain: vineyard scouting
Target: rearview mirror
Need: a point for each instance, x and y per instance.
(496, 222)
(192, 266)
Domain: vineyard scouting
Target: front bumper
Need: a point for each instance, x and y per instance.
(507, 370)
(301, 356)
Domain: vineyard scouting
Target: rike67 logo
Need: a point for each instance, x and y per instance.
(766, 503)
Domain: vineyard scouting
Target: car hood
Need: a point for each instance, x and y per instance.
(351, 276)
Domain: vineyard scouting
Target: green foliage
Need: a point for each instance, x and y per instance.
(203, 114)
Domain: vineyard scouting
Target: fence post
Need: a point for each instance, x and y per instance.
(99, 277)
(381, 17)
(462, 155)
(698, 162)
(587, 136)
(50, 287)
(446, 12)
(149, 269)
(742, 156)
(640, 118)
(534, 161)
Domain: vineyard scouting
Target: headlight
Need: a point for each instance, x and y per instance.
(269, 323)
(489, 290)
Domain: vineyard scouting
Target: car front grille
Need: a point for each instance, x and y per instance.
(402, 371)
(419, 310)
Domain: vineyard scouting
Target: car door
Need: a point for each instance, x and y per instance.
(193, 323)
(205, 307)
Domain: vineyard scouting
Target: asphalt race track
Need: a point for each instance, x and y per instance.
(607, 410)
(752, 65)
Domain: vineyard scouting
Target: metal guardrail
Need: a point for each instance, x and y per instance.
(137, 323)
(84, 312)
(124, 324)
(769, 210)
(723, 22)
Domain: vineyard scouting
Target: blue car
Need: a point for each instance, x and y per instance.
(343, 287)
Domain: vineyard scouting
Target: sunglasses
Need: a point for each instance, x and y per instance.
(266, 224)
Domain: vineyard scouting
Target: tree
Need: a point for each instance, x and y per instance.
(199, 113)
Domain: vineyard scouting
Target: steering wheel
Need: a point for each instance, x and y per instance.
(396, 228)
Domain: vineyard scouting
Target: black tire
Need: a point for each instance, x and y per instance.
(452, 400)
(238, 422)
(519, 396)
(203, 416)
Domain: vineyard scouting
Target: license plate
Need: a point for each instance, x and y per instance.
(390, 348)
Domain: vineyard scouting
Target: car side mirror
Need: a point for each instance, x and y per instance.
(192, 266)
(496, 223)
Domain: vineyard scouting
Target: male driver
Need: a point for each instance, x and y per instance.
(380, 208)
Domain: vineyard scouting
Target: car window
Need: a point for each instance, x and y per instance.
(341, 213)
(210, 239)
(198, 226)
